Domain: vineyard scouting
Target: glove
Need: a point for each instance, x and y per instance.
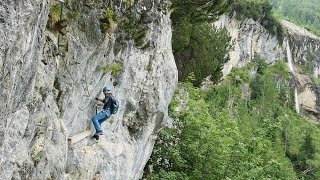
(96, 98)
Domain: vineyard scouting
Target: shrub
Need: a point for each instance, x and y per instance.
(198, 47)
(114, 69)
(204, 54)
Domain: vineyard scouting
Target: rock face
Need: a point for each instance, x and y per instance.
(305, 50)
(305, 47)
(250, 39)
(48, 81)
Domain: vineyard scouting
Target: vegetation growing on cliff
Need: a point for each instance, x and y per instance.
(244, 128)
(107, 21)
(201, 49)
(114, 69)
(198, 47)
(60, 17)
(259, 10)
(305, 13)
(130, 25)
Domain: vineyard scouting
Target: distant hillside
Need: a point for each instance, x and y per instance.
(305, 13)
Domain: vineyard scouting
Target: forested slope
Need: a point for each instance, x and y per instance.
(243, 128)
(305, 13)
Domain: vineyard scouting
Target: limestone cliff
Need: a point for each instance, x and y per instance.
(52, 67)
(250, 39)
(305, 50)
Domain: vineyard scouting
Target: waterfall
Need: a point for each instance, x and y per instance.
(296, 99)
(289, 57)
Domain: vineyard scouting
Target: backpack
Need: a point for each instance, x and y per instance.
(115, 105)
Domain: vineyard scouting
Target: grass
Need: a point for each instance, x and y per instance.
(108, 21)
(149, 67)
(114, 69)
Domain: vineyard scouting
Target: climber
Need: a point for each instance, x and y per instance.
(99, 118)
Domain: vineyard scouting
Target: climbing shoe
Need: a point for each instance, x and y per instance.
(96, 136)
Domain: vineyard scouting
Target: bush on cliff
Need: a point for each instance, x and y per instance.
(198, 47)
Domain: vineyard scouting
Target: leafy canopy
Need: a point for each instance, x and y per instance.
(198, 47)
(244, 128)
(305, 13)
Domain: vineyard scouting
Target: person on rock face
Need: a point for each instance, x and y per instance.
(99, 118)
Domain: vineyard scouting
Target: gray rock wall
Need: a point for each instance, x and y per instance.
(305, 49)
(47, 92)
(305, 46)
(248, 39)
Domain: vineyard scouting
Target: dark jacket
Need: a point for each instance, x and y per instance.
(107, 101)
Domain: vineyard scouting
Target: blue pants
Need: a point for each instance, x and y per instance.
(100, 118)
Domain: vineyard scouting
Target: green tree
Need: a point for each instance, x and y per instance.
(204, 55)
(197, 11)
(225, 134)
(198, 47)
(305, 13)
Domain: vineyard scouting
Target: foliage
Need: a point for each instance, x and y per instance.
(60, 16)
(54, 13)
(56, 18)
(259, 10)
(280, 69)
(131, 27)
(305, 13)
(198, 47)
(221, 134)
(197, 11)
(149, 67)
(107, 21)
(202, 50)
(307, 66)
(240, 76)
(114, 69)
(260, 63)
(128, 23)
(181, 35)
